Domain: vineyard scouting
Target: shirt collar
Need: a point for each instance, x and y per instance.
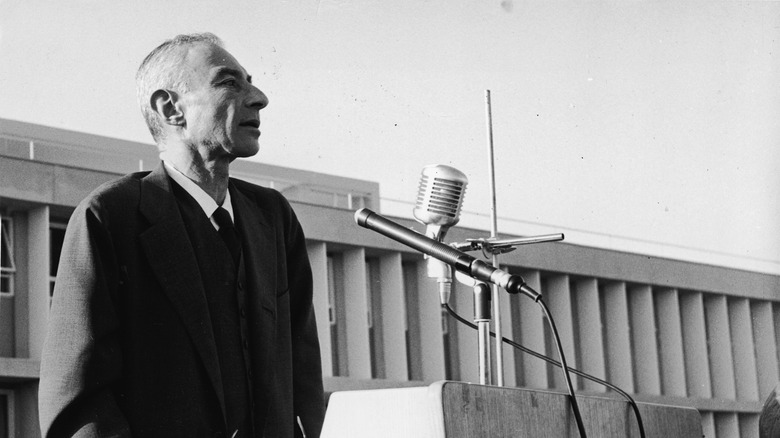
(203, 199)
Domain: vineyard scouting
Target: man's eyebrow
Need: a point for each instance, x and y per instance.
(227, 71)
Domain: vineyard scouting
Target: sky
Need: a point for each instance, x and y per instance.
(647, 127)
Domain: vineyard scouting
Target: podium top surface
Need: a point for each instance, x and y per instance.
(449, 409)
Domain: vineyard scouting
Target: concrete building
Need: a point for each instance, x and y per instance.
(665, 331)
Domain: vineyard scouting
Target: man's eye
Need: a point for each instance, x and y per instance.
(230, 83)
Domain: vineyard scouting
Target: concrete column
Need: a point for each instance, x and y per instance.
(719, 341)
(670, 340)
(430, 324)
(643, 339)
(356, 305)
(697, 367)
(531, 327)
(319, 266)
(38, 278)
(393, 304)
(618, 342)
(742, 344)
(557, 295)
(591, 343)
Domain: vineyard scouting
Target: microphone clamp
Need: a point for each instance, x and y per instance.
(492, 246)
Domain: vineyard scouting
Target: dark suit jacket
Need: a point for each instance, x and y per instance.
(130, 349)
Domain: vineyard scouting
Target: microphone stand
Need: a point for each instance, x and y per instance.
(493, 234)
(493, 247)
(482, 300)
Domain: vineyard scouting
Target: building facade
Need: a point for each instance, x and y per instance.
(665, 331)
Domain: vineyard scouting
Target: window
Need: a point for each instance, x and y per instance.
(336, 315)
(413, 336)
(7, 428)
(7, 264)
(56, 237)
(374, 308)
(450, 340)
(451, 331)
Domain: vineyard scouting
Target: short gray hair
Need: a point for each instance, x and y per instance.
(160, 70)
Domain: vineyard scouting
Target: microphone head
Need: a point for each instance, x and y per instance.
(440, 196)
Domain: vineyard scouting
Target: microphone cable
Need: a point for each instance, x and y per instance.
(554, 362)
(564, 367)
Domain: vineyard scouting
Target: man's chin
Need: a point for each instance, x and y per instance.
(246, 150)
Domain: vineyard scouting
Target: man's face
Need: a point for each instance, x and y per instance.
(221, 106)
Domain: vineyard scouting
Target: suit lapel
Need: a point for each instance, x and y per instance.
(172, 259)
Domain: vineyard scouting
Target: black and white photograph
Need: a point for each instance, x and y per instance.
(390, 219)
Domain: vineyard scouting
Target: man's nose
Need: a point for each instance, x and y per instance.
(257, 99)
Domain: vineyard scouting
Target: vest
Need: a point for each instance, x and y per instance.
(224, 284)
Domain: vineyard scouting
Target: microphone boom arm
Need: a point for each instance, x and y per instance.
(459, 260)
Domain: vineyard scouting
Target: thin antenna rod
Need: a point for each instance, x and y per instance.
(494, 234)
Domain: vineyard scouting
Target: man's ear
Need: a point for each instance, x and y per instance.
(163, 102)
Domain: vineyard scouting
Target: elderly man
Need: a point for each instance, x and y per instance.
(183, 302)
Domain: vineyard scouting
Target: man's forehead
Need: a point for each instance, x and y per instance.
(214, 59)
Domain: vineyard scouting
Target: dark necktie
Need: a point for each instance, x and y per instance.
(228, 233)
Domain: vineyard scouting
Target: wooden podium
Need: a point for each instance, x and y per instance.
(463, 410)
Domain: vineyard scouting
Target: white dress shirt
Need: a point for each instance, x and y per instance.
(203, 199)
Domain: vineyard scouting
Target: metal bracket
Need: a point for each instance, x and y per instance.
(492, 246)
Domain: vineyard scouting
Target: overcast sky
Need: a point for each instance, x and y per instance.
(643, 126)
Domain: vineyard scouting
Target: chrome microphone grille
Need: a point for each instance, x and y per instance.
(440, 195)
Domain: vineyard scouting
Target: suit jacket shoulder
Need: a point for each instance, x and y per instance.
(263, 196)
(271, 204)
(115, 195)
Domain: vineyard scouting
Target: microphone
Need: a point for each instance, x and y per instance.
(459, 260)
(439, 200)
